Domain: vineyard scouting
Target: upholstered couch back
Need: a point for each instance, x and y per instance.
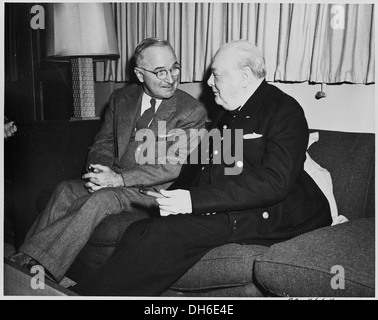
(43, 154)
(350, 158)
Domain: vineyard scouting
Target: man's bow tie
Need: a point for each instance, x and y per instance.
(233, 112)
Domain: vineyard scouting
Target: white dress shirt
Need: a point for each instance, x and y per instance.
(146, 104)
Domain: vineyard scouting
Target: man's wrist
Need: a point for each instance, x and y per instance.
(120, 181)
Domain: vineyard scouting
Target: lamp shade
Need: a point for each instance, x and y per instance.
(80, 30)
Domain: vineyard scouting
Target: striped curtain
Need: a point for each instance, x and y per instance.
(321, 43)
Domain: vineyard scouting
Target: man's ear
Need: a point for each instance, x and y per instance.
(139, 75)
(247, 76)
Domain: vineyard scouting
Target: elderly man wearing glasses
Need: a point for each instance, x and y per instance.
(111, 185)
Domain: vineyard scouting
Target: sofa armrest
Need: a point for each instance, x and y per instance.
(40, 156)
(337, 261)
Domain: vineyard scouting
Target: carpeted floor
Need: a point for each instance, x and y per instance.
(10, 250)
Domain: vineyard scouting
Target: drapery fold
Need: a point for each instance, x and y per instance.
(320, 43)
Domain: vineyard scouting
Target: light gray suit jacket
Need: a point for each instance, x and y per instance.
(181, 111)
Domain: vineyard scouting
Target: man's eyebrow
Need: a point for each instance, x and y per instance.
(164, 68)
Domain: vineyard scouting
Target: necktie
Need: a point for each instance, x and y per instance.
(147, 116)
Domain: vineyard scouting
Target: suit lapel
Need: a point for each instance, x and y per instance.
(127, 115)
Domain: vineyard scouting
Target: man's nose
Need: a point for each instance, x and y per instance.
(210, 81)
(169, 78)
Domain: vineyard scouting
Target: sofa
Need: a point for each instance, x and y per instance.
(335, 261)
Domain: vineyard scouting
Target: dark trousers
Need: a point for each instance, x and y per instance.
(155, 253)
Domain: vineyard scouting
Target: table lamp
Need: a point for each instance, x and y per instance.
(81, 33)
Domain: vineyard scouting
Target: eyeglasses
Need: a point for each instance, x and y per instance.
(163, 73)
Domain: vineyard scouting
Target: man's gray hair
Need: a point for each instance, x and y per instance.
(247, 55)
(147, 43)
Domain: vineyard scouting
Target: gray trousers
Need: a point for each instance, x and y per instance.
(70, 217)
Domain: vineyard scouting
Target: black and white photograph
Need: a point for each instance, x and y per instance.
(202, 152)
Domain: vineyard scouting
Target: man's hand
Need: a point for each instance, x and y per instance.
(175, 202)
(9, 129)
(102, 177)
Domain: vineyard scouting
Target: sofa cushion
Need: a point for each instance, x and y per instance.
(323, 179)
(226, 266)
(248, 290)
(303, 266)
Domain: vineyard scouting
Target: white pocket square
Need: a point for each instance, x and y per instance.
(252, 136)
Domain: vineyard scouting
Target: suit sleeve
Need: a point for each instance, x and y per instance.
(266, 182)
(157, 174)
(102, 150)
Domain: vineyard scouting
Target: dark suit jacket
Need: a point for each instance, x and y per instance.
(181, 111)
(273, 197)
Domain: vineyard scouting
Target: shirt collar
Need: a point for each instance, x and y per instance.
(146, 104)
